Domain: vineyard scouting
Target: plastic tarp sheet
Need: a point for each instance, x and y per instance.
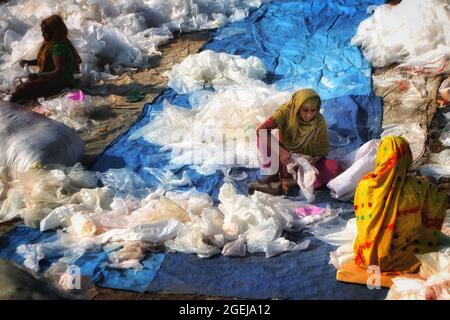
(304, 44)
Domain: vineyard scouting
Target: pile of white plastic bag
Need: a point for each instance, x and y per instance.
(110, 35)
(220, 129)
(210, 69)
(128, 220)
(414, 33)
(362, 160)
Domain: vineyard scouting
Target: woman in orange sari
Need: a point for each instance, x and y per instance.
(397, 215)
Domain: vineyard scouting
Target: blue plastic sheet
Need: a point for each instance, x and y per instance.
(304, 44)
(292, 275)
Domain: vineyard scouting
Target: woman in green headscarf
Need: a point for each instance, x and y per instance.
(303, 130)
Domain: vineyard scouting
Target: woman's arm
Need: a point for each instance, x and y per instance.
(268, 125)
(58, 61)
(23, 62)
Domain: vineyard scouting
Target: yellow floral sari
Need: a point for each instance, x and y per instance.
(397, 215)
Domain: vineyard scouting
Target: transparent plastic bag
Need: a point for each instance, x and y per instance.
(304, 174)
(73, 109)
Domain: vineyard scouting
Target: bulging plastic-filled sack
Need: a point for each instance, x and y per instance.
(359, 163)
(29, 139)
(212, 69)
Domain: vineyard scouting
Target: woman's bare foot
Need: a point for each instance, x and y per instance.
(271, 178)
(287, 184)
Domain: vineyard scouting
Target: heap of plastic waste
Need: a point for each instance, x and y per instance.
(414, 33)
(110, 35)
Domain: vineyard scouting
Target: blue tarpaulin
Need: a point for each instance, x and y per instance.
(303, 44)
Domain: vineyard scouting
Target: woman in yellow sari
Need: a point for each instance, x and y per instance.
(303, 130)
(397, 215)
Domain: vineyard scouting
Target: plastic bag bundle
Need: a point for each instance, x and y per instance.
(212, 69)
(29, 139)
(304, 173)
(401, 33)
(220, 129)
(73, 109)
(435, 270)
(358, 163)
(110, 35)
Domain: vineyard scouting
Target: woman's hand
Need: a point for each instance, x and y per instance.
(285, 156)
(23, 62)
(33, 76)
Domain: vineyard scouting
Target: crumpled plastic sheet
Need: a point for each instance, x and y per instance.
(219, 130)
(29, 140)
(304, 173)
(435, 270)
(337, 232)
(72, 109)
(36, 193)
(211, 69)
(402, 33)
(110, 35)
